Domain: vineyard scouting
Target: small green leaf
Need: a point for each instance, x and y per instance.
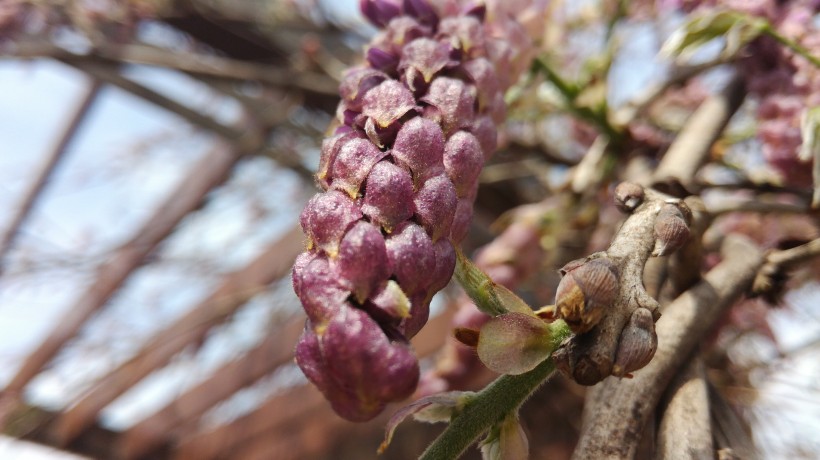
(431, 409)
(491, 298)
(736, 28)
(506, 441)
(514, 343)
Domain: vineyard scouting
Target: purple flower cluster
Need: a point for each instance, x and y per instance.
(399, 177)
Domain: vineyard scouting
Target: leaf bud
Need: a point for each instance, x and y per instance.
(671, 230)
(637, 345)
(585, 292)
(628, 196)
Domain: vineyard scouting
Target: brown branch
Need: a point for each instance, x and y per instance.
(771, 277)
(617, 410)
(301, 406)
(758, 207)
(178, 416)
(48, 167)
(189, 62)
(685, 429)
(234, 290)
(246, 139)
(210, 172)
(693, 144)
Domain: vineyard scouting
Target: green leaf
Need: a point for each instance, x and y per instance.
(431, 409)
(491, 298)
(506, 441)
(514, 343)
(736, 28)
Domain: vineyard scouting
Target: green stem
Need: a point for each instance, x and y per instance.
(570, 93)
(792, 45)
(489, 407)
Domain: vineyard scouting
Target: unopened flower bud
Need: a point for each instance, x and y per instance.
(387, 102)
(412, 257)
(362, 260)
(463, 160)
(353, 162)
(585, 292)
(436, 206)
(380, 12)
(453, 101)
(422, 57)
(389, 198)
(326, 218)
(419, 146)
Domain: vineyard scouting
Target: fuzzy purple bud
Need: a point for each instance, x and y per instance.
(463, 160)
(389, 197)
(421, 10)
(356, 82)
(318, 286)
(326, 218)
(355, 159)
(362, 260)
(412, 257)
(419, 146)
(359, 354)
(436, 205)
(454, 102)
(422, 57)
(387, 102)
(380, 12)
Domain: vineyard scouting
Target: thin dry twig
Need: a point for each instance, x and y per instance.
(52, 160)
(235, 289)
(212, 170)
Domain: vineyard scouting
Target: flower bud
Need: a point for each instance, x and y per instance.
(318, 286)
(628, 196)
(389, 197)
(463, 161)
(671, 230)
(389, 304)
(362, 262)
(356, 82)
(353, 162)
(387, 102)
(586, 290)
(453, 101)
(436, 206)
(424, 57)
(421, 10)
(380, 12)
(326, 218)
(464, 33)
(637, 345)
(419, 146)
(412, 257)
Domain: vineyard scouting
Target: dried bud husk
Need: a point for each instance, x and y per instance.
(671, 230)
(586, 290)
(628, 196)
(637, 345)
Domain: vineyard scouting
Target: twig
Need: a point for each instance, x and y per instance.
(693, 144)
(188, 195)
(617, 410)
(758, 207)
(234, 290)
(188, 62)
(151, 433)
(111, 76)
(685, 429)
(48, 167)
